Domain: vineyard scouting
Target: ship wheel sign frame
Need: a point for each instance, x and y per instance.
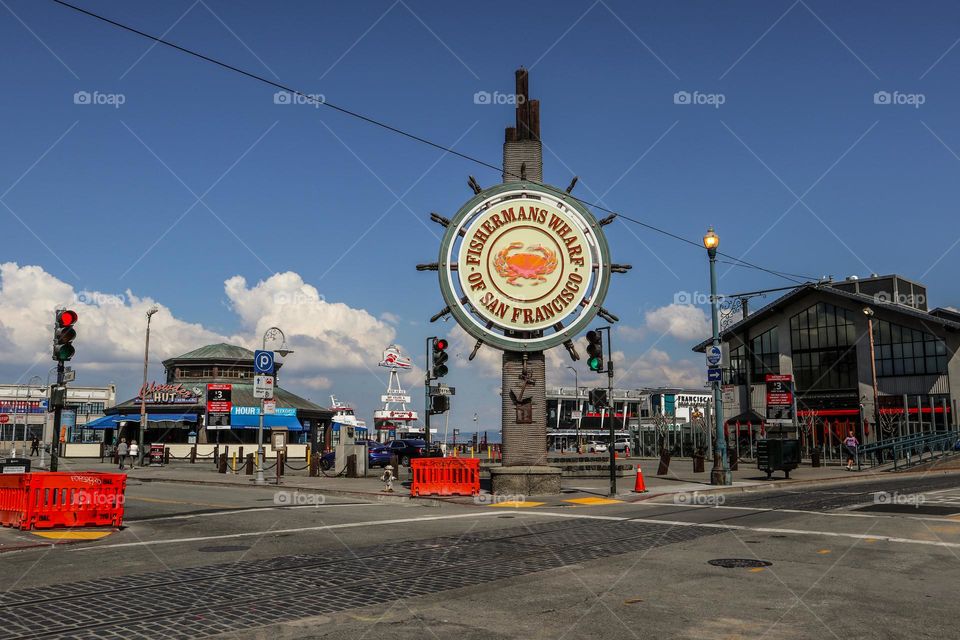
(523, 267)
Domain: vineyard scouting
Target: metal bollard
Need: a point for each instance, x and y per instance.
(216, 455)
(352, 466)
(314, 466)
(249, 470)
(193, 454)
(166, 455)
(223, 463)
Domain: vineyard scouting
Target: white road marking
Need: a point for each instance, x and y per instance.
(247, 534)
(227, 512)
(837, 514)
(735, 527)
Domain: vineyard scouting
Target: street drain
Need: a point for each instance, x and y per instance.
(227, 548)
(739, 563)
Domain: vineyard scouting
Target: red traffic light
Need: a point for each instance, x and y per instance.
(67, 318)
(440, 344)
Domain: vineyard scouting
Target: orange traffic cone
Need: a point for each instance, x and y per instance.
(639, 486)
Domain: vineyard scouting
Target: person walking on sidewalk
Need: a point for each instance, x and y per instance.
(35, 446)
(851, 443)
(134, 453)
(122, 451)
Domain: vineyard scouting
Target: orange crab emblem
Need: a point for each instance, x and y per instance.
(533, 264)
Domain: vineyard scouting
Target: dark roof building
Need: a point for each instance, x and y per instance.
(178, 406)
(820, 334)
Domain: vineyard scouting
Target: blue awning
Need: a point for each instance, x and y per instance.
(269, 421)
(112, 422)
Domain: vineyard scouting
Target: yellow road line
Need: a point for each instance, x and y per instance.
(517, 503)
(593, 501)
(72, 535)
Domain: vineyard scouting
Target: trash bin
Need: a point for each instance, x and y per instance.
(815, 458)
(14, 465)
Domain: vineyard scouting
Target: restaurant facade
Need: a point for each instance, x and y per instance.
(207, 396)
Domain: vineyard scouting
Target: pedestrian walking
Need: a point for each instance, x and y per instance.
(134, 453)
(851, 443)
(35, 446)
(122, 451)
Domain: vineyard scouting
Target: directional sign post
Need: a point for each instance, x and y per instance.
(263, 387)
(263, 362)
(714, 374)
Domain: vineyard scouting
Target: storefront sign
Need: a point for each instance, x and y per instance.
(394, 415)
(219, 404)
(155, 393)
(395, 397)
(255, 411)
(779, 390)
(520, 258)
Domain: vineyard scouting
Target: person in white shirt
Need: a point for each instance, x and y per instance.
(134, 453)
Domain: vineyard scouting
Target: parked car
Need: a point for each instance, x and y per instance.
(597, 447)
(410, 448)
(377, 456)
(622, 445)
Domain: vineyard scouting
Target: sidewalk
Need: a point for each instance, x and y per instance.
(680, 479)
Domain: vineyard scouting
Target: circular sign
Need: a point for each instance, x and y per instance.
(4, 418)
(523, 267)
(714, 355)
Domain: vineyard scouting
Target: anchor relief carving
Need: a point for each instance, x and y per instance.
(523, 406)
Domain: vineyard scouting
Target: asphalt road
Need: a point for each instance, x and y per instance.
(874, 559)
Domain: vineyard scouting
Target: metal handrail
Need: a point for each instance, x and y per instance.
(906, 446)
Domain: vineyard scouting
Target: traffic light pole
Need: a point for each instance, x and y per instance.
(426, 391)
(57, 417)
(613, 450)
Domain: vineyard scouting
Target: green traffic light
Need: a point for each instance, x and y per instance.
(594, 364)
(65, 352)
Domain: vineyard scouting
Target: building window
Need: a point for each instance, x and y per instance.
(823, 340)
(738, 367)
(766, 355)
(901, 351)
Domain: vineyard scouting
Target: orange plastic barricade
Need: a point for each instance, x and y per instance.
(445, 476)
(61, 499)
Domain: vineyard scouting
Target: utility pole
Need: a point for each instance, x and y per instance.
(58, 398)
(143, 396)
(612, 451)
(426, 390)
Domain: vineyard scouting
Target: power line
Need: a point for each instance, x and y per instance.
(411, 136)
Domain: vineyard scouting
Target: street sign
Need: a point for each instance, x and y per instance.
(219, 405)
(263, 387)
(4, 418)
(729, 394)
(69, 375)
(714, 355)
(576, 415)
(714, 374)
(395, 397)
(442, 390)
(269, 407)
(263, 362)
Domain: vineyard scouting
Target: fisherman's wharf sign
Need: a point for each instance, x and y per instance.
(524, 267)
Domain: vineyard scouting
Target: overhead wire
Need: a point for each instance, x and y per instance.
(393, 129)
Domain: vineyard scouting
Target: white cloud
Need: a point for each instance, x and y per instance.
(328, 337)
(683, 321)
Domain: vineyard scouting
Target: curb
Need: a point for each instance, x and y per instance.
(780, 484)
(385, 498)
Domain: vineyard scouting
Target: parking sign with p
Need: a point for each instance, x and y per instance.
(263, 362)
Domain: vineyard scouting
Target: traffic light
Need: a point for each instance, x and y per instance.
(598, 398)
(439, 357)
(440, 404)
(64, 334)
(595, 351)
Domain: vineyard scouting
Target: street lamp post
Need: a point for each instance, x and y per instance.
(576, 382)
(720, 474)
(283, 352)
(26, 417)
(143, 396)
(867, 311)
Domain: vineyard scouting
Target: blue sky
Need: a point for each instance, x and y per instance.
(798, 169)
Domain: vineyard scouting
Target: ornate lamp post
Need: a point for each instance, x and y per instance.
(283, 351)
(576, 382)
(143, 396)
(720, 474)
(867, 311)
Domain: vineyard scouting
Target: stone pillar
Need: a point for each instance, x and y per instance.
(524, 443)
(524, 391)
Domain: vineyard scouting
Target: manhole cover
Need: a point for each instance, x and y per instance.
(739, 563)
(226, 548)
